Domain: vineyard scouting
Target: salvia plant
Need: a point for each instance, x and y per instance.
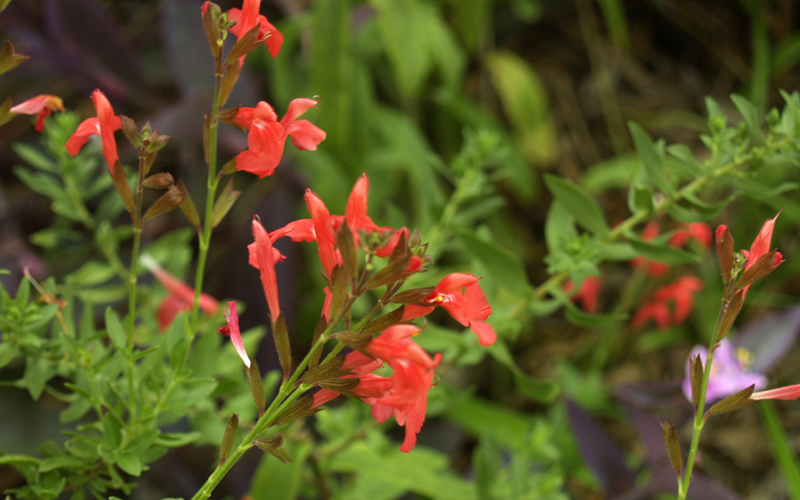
(139, 362)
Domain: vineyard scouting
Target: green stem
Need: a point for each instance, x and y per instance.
(132, 277)
(699, 412)
(213, 182)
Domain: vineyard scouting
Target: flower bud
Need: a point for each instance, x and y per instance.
(725, 252)
(673, 446)
(228, 438)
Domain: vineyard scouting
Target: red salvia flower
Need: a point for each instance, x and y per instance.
(231, 329)
(761, 247)
(588, 293)
(470, 307)
(267, 135)
(657, 311)
(247, 18)
(680, 294)
(698, 231)
(41, 106)
(104, 125)
(265, 262)
(412, 379)
(788, 393)
(654, 269)
(180, 297)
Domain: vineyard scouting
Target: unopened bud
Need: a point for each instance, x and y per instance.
(725, 252)
(160, 180)
(673, 446)
(228, 438)
(256, 385)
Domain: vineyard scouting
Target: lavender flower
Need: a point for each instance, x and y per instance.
(728, 376)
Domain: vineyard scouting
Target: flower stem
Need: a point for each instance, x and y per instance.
(699, 412)
(213, 182)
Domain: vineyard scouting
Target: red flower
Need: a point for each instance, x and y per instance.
(104, 125)
(231, 329)
(41, 106)
(697, 231)
(788, 393)
(680, 294)
(405, 393)
(323, 226)
(470, 307)
(760, 247)
(587, 294)
(265, 262)
(369, 385)
(654, 269)
(180, 297)
(658, 311)
(247, 18)
(267, 136)
(412, 379)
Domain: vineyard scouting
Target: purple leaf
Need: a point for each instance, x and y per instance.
(600, 453)
(770, 338)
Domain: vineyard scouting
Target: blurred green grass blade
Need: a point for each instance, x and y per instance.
(616, 24)
(784, 454)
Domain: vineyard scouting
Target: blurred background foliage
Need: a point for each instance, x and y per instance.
(457, 110)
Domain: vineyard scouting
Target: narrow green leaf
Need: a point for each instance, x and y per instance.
(652, 158)
(114, 329)
(750, 115)
(579, 203)
(224, 203)
(663, 253)
(785, 455)
(503, 266)
(734, 402)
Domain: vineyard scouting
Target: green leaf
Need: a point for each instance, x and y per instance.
(35, 158)
(785, 456)
(176, 440)
(486, 460)
(578, 202)
(423, 471)
(93, 273)
(224, 203)
(37, 372)
(525, 102)
(640, 199)
(652, 158)
(130, 464)
(663, 253)
(114, 329)
(542, 391)
(577, 316)
(750, 115)
(66, 462)
(478, 416)
(278, 481)
(502, 265)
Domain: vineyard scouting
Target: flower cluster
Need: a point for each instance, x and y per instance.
(696, 231)
(670, 304)
(404, 393)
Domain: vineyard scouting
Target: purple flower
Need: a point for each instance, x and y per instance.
(729, 373)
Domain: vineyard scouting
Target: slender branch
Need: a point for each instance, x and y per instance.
(213, 182)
